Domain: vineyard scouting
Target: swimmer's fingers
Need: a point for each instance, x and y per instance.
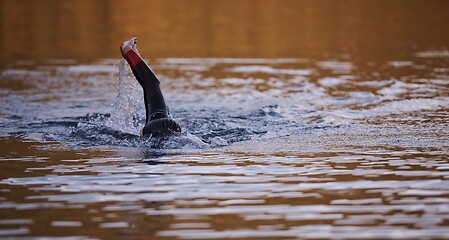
(134, 42)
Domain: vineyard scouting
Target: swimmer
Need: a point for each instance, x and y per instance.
(158, 122)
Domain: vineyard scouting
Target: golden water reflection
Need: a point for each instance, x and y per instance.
(84, 29)
(346, 115)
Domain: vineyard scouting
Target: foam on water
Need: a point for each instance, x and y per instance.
(126, 119)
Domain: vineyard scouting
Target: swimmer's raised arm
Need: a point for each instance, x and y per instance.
(158, 121)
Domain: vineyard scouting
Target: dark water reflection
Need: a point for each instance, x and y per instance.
(301, 119)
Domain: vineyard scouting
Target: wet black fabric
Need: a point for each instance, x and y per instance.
(154, 100)
(157, 122)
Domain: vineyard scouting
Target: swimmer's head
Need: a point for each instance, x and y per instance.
(161, 127)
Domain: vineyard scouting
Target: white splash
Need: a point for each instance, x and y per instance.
(124, 115)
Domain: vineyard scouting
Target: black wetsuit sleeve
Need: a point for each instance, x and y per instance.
(154, 100)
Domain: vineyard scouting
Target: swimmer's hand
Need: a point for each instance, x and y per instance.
(128, 45)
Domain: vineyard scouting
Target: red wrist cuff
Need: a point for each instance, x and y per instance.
(132, 58)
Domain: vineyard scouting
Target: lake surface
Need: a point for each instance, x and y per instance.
(301, 120)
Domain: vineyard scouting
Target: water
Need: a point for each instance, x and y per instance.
(301, 120)
(271, 148)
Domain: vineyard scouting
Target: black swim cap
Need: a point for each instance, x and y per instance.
(161, 127)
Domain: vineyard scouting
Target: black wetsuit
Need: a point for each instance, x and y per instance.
(157, 121)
